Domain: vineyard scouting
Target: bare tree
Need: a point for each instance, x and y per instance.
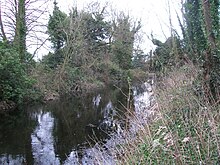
(1, 25)
(23, 23)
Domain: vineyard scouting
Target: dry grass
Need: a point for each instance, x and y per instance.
(185, 129)
(179, 128)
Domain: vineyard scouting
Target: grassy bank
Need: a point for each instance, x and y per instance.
(184, 128)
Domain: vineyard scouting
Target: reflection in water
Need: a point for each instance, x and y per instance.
(88, 158)
(142, 96)
(11, 159)
(96, 100)
(42, 140)
(72, 158)
(63, 131)
(109, 111)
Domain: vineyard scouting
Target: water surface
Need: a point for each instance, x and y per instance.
(61, 132)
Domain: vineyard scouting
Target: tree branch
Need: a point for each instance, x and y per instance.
(1, 25)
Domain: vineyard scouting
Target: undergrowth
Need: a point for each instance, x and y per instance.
(184, 130)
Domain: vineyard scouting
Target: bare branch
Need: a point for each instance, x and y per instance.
(1, 25)
(39, 48)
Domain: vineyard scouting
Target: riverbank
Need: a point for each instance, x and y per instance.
(182, 128)
(168, 123)
(185, 129)
(112, 150)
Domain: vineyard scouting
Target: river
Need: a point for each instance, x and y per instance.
(66, 130)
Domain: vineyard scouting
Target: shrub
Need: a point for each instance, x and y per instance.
(14, 81)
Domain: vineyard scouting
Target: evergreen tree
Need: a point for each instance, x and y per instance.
(123, 41)
(56, 26)
(202, 27)
(194, 37)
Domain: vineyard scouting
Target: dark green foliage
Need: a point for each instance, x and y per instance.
(85, 31)
(97, 30)
(162, 55)
(215, 4)
(92, 29)
(200, 44)
(167, 55)
(139, 59)
(202, 36)
(88, 49)
(194, 36)
(215, 77)
(52, 60)
(122, 55)
(56, 26)
(122, 47)
(14, 81)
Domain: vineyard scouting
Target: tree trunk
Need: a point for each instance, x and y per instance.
(208, 23)
(20, 30)
(210, 48)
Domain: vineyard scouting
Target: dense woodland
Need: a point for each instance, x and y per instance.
(185, 129)
(90, 50)
(94, 48)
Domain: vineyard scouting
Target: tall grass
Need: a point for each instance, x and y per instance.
(184, 129)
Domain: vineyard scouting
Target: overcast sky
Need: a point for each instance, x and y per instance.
(154, 15)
